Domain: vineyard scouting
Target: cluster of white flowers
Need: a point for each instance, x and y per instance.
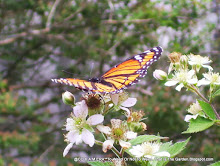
(186, 70)
(185, 76)
(80, 126)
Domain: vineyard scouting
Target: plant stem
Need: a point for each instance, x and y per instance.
(199, 94)
(116, 152)
(216, 113)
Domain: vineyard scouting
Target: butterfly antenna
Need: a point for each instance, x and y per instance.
(91, 70)
(67, 72)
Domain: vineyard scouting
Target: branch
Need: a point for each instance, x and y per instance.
(45, 153)
(75, 13)
(111, 9)
(23, 34)
(125, 21)
(34, 32)
(51, 14)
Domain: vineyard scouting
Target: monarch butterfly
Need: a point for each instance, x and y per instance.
(119, 77)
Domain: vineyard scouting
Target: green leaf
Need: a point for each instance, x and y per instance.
(207, 109)
(217, 93)
(99, 163)
(145, 138)
(177, 147)
(198, 124)
(215, 164)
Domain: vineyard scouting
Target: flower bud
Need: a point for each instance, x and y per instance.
(160, 75)
(184, 61)
(68, 98)
(138, 126)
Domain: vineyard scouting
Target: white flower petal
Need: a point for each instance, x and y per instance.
(203, 82)
(74, 137)
(207, 66)
(191, 73)
(137, 151)
(129, 102)
(108, 144)
(127, 111)
(70, 125)
(162, 154)
(171, 83)
(88, 137)
(124, 144)
(95, 119)
(130, 135)
(149, 156)
(191, 62)
(104, 129)
(179, 87)
(188, 117)
(67, 149)
(81, 110)
(192, 81)
(116, 123)
(114, 98)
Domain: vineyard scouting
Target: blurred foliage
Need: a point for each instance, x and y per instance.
(85, 35)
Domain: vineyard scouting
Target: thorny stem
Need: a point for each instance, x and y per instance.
(193, 88)
(122, 156)
(117, 153)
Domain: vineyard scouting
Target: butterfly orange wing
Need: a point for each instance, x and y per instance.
(127, 73)
(119, 77)
(85, 85)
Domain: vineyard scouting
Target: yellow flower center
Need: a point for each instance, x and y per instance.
(79, 123)
(148, 150)
(118, 133)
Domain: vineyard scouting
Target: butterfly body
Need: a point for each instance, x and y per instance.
(119, 77)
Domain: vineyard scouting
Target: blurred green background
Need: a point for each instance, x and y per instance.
(39, 39)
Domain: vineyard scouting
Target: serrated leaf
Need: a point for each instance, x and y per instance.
(198, 124)
(215, 164)
(177, 147)
(99, 163)
(165, 146)
(145, 138)
(217, 93)
(207, 109)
